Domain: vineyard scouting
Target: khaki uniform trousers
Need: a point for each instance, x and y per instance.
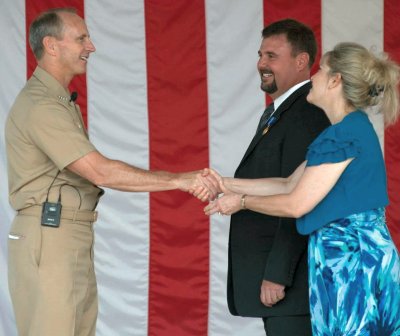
(51, 277)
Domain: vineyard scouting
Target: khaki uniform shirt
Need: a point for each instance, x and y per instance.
(44, 134)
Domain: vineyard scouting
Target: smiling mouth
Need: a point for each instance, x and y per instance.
(266, 75)
(84, 58)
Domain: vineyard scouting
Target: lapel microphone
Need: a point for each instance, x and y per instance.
(74, 96)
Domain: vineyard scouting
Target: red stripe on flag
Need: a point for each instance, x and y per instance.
(33, 8)
(392, 134)
(178, 127)
(306, 11)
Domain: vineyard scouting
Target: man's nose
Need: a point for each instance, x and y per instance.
(262, 62)
(90, 46)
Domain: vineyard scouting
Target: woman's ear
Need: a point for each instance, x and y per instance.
(335, 80)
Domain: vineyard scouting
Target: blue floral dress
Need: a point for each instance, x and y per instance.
(354, 278)
(354, 268)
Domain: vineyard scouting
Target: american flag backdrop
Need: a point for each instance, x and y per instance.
(173, 85)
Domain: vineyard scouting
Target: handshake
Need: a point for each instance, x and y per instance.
(208, 185)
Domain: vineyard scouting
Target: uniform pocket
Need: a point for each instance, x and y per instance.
(24, 239)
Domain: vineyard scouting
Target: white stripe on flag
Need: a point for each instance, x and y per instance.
(359, 21)
(117, 119)
(235, 105)
(13, 78)
(347, 21)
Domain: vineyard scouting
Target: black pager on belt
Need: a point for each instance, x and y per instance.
(51, 214)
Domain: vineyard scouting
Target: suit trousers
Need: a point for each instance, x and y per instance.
(299, 325)
(51, 277)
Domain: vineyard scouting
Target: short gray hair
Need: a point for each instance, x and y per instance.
(48, 23)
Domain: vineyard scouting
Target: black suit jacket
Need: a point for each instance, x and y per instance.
(266, 247)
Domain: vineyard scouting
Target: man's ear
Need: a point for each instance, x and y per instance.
(49, 45)
(302, 60)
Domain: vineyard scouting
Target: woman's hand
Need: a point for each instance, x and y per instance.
(228, 204)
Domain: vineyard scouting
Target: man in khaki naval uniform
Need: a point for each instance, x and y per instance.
(51, 272)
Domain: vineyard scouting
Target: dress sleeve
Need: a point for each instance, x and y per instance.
(333, 146)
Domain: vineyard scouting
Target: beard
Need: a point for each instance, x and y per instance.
(269, 88)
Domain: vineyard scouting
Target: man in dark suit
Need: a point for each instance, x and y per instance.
(267, 274)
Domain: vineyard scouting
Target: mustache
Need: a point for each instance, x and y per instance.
(266, 72)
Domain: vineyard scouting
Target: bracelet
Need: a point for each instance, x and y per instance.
(243, 201)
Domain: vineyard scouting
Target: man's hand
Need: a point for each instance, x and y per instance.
(271, 293)
(228, 204)
(199, 183)
(209, 180)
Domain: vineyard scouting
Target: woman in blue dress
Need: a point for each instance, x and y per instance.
(338, 196)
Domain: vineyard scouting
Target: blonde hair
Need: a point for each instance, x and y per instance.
(368, 79)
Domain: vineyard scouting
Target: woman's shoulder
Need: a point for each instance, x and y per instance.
(354, 121)
(338, 142)
(347, 129)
